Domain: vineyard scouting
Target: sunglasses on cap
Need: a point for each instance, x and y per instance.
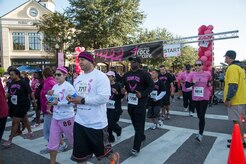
(198, 65)
(58, 74)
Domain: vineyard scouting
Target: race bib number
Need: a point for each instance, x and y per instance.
(153, 94)
(14, 99)
(198, 91)
(132, 99)
(82, 89)
(111, 104)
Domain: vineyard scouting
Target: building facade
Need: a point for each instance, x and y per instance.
(20, 41)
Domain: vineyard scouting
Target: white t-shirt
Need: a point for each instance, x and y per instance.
(95, 88)
(63, 110)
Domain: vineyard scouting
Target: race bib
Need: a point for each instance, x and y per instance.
(82, 89)
(153, 94)
(198, 91)
(132, 99)
(14, 99)
(111, 104)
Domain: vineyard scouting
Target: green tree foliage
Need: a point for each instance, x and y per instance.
(57, 29)
(1, 71)
(104, 23)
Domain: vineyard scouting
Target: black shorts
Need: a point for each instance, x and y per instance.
(21, 111)
(154, 111)
(166, 99)
(88, 141)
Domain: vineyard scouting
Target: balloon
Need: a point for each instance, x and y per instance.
(204, 58)
(207, 32)
(202, 28)
(200, 55)
(208, 53)
(207, 63)
(205, 68)
(210, 58)
(210, 27)
(210, 68)
(210, 47)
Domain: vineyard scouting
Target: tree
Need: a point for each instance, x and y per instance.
(104, 23)
(57, 29)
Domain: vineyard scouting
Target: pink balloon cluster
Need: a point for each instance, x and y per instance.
(205, 51)
(77, 51)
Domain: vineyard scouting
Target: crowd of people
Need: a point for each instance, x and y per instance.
(86, 108)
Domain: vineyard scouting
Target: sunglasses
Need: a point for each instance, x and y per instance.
(198, 65)
(58, 74)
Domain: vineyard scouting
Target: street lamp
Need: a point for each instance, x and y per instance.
(57, 51)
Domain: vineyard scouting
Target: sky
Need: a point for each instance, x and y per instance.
(183, 18)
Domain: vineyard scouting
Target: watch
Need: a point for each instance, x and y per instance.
(33, 12)
(82, 101)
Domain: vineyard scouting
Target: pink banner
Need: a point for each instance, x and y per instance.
(61, 59)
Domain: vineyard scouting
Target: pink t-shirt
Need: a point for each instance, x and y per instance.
(182, 77)
(200, 90)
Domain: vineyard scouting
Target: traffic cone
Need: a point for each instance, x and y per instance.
(236, 154)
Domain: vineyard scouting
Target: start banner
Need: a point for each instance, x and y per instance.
(170, 50)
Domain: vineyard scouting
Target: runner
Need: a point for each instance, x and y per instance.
(138, 85)
(114, 109)
(200, 82)
(168, 81)
(187, 92)
(63, 113)
(154, 103)
(19, 92)
(90, 127)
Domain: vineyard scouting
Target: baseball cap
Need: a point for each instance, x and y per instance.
(110, 73)
(231, 54)
(135, 58)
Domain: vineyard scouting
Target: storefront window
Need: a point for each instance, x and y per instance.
(18, 40)
(34, 41)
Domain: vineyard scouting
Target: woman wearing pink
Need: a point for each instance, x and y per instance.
(63, 113)
(200, 82)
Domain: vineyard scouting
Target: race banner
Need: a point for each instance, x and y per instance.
(145, 50)
(170, 50)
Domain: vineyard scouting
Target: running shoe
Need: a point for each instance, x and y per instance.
(191, 114)
(160, 123)
(168, 116)
(134, 152)
(185, 109)
(199, 138)
(115, 158)
(153, 127)
(29, 135)
(45, 151)
(35, 125)
(7, 144)
(62, 148)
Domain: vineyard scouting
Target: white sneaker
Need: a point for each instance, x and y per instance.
(199, 138)
(44, 151)
(62, 148)
(153, 127)
(185, 109)
(160, 123)
(191, 114)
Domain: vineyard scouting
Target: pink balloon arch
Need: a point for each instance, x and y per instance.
(205, 51)
(77, 51)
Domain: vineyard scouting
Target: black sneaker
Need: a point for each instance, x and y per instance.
(134, 152)
(244, 145)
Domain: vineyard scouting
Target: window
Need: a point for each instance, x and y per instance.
(18, 40)
(34, 41)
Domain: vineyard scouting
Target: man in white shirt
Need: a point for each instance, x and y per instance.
(90, 127)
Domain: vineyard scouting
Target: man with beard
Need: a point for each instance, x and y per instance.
(138, 85)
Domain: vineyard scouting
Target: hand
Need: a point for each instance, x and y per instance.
(35, 104)
(138, 94)
(49, 112)
(115, 91)
(53, 103)
(123, 91)
(76, 100)
(227, 103)
(50, 92)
